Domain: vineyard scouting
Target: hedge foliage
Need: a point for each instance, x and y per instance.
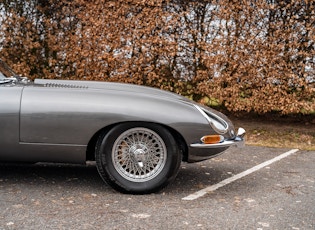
(254, 56)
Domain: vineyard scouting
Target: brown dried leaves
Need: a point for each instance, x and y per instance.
(249, 57)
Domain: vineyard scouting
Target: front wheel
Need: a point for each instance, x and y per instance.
(137, 158)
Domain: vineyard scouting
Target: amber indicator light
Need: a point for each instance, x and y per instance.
(212, 139)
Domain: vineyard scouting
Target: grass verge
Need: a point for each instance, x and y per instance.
(278, 134)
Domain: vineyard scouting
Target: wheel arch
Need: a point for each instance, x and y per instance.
(182, 145)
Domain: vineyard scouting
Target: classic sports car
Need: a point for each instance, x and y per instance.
(137, 135)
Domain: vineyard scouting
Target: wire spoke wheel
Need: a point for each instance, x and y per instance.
(137, 157)
(139, 154)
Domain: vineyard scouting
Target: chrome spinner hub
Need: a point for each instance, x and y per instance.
(139, 152)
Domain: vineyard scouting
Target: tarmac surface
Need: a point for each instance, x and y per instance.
(280, 195)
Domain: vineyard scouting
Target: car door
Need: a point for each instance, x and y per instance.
(10, 96)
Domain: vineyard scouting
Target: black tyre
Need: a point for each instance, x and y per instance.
(137, 158)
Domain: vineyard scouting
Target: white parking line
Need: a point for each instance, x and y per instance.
(212, 188)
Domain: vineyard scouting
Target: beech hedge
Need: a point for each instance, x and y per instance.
(252, 56)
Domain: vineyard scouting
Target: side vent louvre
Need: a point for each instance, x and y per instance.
(55, 85)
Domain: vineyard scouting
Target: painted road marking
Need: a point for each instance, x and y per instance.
(212, 188)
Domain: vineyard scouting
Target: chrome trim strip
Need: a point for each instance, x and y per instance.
(211, 123)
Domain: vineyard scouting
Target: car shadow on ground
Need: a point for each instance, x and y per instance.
(191, 177)
(40, 174)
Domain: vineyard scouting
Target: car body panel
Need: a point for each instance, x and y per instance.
(59, 112)
(55, 120)
(9, 119)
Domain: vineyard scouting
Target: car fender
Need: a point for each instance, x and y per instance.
(73, 115)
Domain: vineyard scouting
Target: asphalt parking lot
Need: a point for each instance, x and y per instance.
(279, 195)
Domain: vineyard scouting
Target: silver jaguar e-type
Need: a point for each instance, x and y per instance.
(137, 135)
